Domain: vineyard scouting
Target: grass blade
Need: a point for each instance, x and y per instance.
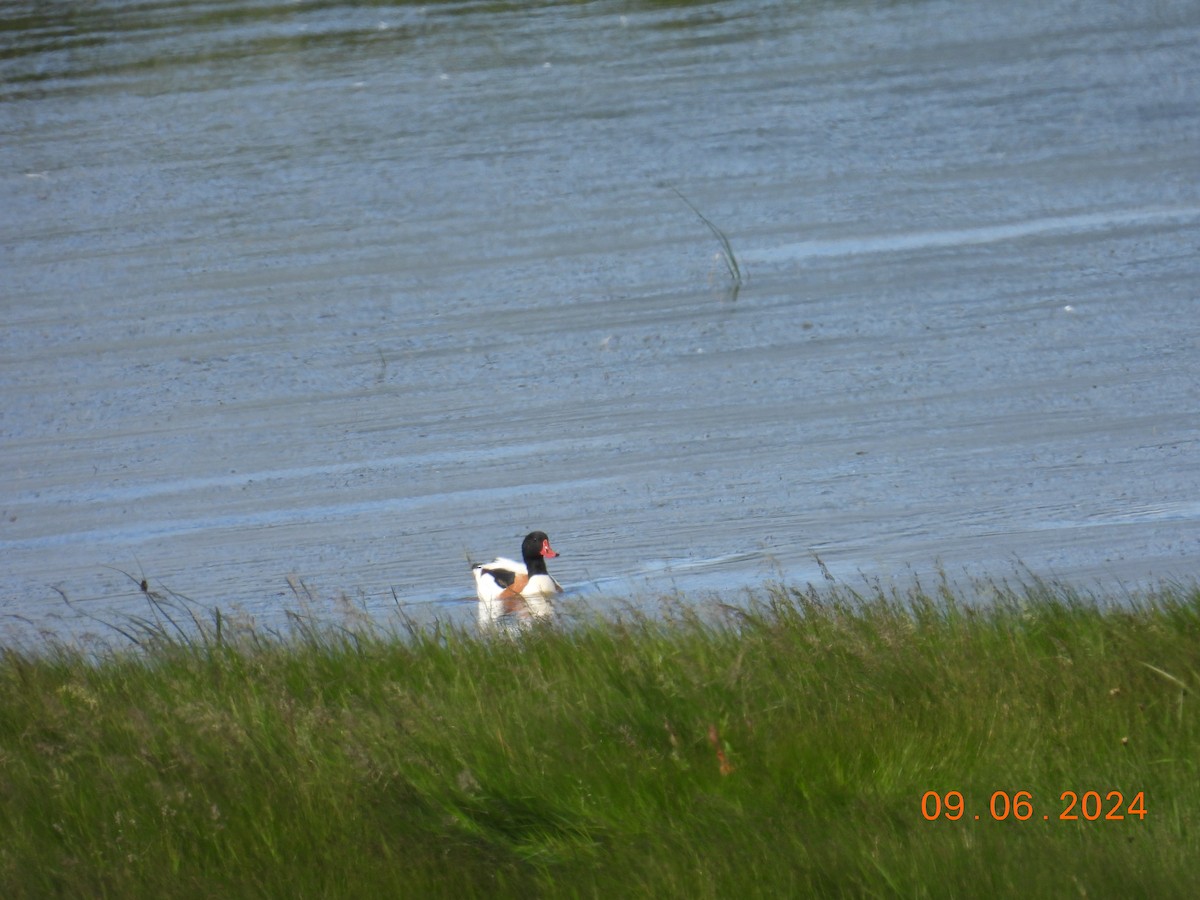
(731, 263)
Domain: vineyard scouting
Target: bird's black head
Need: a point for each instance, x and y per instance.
(535, 550)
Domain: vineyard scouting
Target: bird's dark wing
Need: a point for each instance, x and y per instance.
(503, 577)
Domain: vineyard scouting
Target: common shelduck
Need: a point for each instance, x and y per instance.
(505, 579)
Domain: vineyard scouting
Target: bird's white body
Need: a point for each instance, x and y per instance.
(489, 580)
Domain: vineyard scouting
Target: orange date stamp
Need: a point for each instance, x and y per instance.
(1090, 806)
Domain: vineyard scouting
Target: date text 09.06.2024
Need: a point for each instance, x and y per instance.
(1090, 806)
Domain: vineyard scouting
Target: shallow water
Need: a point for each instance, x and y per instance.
(352, 293)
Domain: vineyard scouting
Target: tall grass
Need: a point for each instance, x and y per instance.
(780, 748)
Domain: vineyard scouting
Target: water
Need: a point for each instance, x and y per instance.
(350, 293)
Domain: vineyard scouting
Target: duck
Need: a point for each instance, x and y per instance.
(505, 579)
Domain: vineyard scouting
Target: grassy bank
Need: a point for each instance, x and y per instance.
(782, 749)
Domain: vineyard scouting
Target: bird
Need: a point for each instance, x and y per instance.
(505, 579)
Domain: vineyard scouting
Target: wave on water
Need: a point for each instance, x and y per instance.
(902, 242)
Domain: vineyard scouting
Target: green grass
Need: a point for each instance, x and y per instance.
(778, 749)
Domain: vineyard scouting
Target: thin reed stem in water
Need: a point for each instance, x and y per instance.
(731, 263)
